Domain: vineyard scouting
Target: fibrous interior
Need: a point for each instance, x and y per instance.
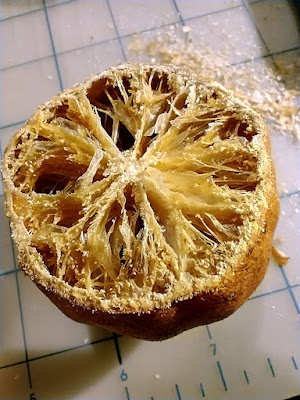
(133, 184)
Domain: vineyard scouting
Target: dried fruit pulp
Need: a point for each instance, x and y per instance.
(136, 190)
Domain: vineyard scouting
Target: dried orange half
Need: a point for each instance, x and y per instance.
(143, 200)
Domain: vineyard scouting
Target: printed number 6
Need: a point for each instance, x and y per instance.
(124, 376)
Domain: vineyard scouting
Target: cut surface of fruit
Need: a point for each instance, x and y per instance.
(140, 188)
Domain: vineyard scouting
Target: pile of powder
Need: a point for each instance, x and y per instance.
(272, 88)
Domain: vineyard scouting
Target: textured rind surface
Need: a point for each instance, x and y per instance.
(239, 281)
(202, 309)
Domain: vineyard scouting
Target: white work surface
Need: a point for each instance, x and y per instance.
(255, 354)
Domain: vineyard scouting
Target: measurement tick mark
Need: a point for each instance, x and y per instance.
(208, 331)
(294, 363)
(127, 393)
(117, 348)
(221, 375)
(271, 368)
(202, 390)
(178, 392)
(214, 346)
(246, 377)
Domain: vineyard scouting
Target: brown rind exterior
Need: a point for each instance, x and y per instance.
(201, 309)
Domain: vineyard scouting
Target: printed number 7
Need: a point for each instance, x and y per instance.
(214, 347)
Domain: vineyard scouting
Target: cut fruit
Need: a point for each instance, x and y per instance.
(143, 200)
